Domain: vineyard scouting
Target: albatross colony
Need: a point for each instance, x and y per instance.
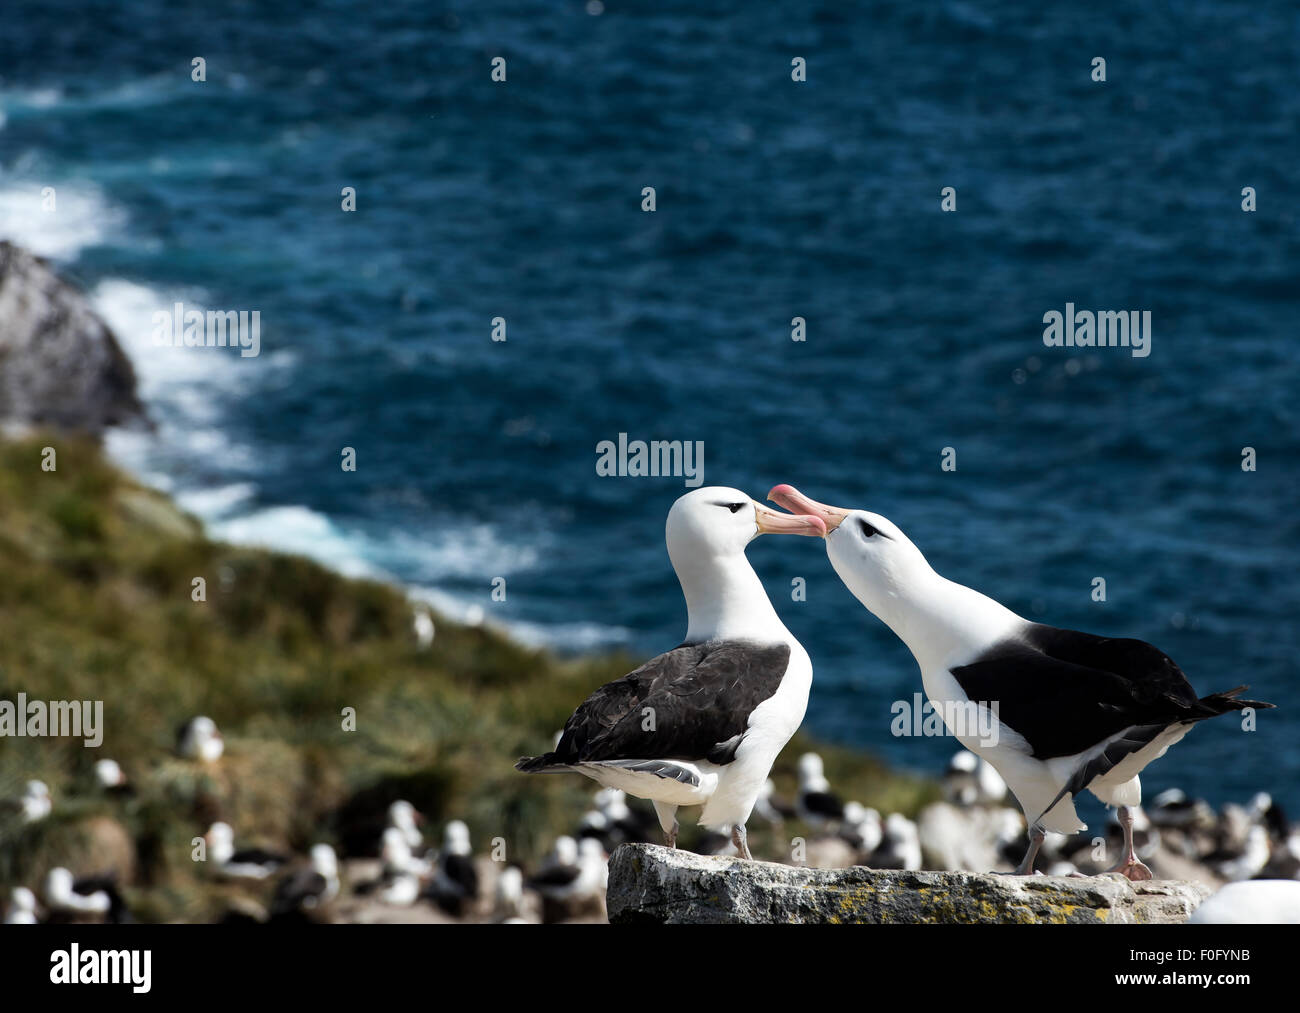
(1068, 711)
(703, 723)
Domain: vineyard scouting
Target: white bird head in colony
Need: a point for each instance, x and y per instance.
(706, 532)
(394, 850)
(812, 776)
(455, 838)
(109, 774)
(401, 814)
(324, 861)
(201, 740)
(406, 818)
(59, 893)
(22, 907)
(36, 802)
(565, 851)
(612, 803)
(220, 839)
(510, 888)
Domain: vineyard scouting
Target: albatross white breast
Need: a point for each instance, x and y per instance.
(703, 723)
(1068, 711)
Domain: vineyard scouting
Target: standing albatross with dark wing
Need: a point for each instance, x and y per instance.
(703, 723)
(1068, 711)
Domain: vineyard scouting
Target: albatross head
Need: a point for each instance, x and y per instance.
(707, 532)
(876, 561)
(716, 522)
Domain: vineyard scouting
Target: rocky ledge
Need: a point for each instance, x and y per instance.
(649, 884)
(60, 365)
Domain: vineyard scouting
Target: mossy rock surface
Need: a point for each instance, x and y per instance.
(649, 884)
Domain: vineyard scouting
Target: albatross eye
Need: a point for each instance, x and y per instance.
(733, 507)
(867, 529)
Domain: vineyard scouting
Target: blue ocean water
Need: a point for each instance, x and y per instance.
(775, 199)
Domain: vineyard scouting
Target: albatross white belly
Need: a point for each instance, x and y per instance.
(771, 725)
(1034, 782)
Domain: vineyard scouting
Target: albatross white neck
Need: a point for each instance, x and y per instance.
(937, 618)
(725, 600)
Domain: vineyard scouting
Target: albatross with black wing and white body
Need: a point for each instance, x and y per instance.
(703, 723)
(1069, 711)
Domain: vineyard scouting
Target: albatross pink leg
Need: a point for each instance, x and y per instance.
(1129, 866)
(1036, 836)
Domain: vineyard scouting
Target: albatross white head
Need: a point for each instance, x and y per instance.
(888, 574)
(201, 740)
(36, 803)
(22, 907)
(707, 532)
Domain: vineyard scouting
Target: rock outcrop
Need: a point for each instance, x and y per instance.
(60, 365)
(650, 884)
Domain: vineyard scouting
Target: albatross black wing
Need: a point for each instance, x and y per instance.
(692, 703)
(1067, 692)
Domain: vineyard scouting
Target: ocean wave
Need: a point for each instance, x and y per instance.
(576, 637)
(218, 501)
(82, 217)
(306, 532)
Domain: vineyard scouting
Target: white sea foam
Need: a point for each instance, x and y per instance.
(570, 636)
(82, 217)
(457, 552)
(212, 504)
(301, 531)
(188, 389)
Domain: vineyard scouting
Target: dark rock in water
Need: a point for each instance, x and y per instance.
(60, 365)
(651, 884)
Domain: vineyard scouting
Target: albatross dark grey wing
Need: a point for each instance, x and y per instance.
(1067, 692)
(692, 703)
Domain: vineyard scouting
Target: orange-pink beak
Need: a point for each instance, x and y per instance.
(797, 503)
(770, 522)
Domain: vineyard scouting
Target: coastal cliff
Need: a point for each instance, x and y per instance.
(60, 365)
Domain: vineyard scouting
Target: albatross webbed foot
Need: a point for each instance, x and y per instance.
(1130, 867)
(1133, 869)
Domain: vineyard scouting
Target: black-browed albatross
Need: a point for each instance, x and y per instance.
(703, 723)
(1072, 711)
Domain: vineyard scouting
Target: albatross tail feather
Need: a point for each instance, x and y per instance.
(1140, 736)
(547, 763)
(1222, 703)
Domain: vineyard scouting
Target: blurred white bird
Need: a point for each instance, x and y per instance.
(861, 829)
(242, 863)
(508, 906)
(403, 816)
(62, 895)
(35, 803)
(109, 775)
(200, 739)
(422, 624)
(901, 847)
(1258, 902)
(22, 907)
(455, 880)
(816, 804)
